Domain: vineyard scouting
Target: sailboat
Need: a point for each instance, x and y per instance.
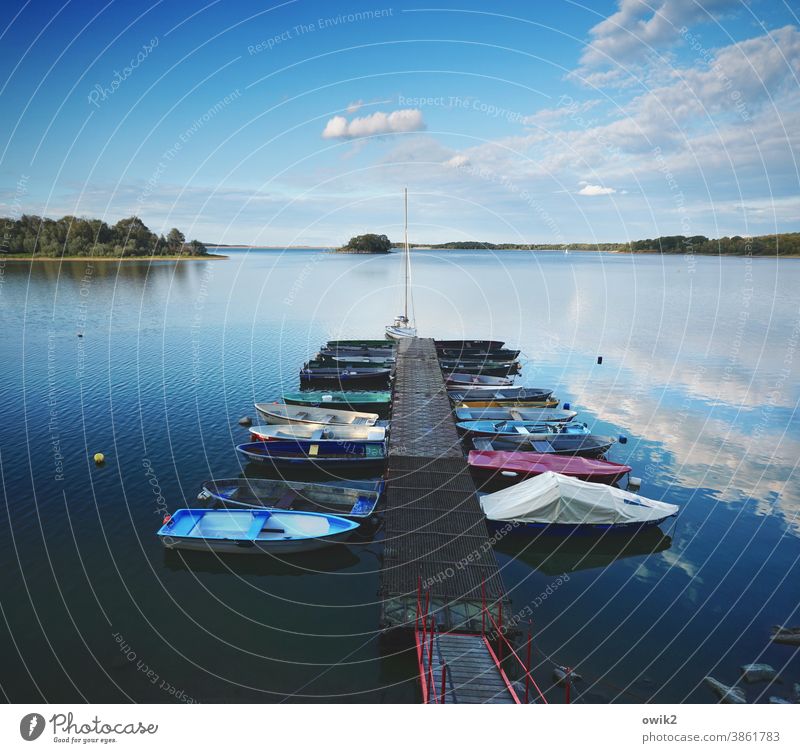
(403, 327)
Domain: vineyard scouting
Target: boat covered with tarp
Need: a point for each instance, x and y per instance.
(561, 504)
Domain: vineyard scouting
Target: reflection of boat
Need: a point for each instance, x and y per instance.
(253, 531)
(403, 327)
(527, 429)
(351, 434)
(537, 415)
(562, 505)
(352, 400)
(505, 468)
(554, 555)
(349, 499)
(275, 413)
(499, 395)
(586, 445)
(474, 380)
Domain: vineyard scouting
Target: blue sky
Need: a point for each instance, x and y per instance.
(301, 122)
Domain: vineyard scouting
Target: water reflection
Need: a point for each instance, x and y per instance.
(553, 555)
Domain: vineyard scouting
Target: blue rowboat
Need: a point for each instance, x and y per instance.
(312, 372)
(536, 415)
(306, 453)
(253, 531)
(519, 429)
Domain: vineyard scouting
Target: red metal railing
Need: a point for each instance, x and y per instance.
(424, 637)
(504, 643)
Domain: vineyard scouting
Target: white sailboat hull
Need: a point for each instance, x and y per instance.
(400, 333)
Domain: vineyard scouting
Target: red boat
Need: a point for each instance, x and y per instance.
(505, 468)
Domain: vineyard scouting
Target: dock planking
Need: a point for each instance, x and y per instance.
(435, 531)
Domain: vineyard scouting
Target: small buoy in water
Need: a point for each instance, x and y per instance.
(623, 439)
(99, 458)
(245, 421)
(80, 334)
(599, 359)
(566, 406)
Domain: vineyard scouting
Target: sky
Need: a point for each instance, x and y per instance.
(300, 123)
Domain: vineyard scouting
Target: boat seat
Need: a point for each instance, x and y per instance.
(317, 434)
(301, 414)
(542, 445)
(522, 430)
(327, 418)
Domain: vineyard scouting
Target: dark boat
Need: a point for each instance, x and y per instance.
(352, 352)
(487, 368)
(478, 354)
(468, 344)
(315, 372)
(586, 445)
(530, 394)
(308, 454)
(351, 499)
(381, 344)
(502, 469)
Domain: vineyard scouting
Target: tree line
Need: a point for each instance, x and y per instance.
(75, 236)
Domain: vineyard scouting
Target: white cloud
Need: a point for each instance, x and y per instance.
(355, 106)
(457, 160)
(379, 123)
(639, 27)
(590, 189)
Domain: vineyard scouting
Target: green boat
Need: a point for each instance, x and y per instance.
(356, 400)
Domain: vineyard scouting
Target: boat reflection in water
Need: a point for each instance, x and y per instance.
(553, 555)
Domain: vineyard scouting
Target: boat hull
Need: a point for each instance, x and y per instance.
(400, 333)
(564, 529)
(251, 547)
(353, 400)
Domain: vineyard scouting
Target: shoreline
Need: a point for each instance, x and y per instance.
(113, 258)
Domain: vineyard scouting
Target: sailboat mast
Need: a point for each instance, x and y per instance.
(405, 304)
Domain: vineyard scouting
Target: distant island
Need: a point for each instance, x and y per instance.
(32, 237)
(366, 244)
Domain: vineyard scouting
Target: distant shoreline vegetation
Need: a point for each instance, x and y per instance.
(366, 244)
(33, 237)
(780, 244)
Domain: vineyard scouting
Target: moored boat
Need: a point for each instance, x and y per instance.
(276, 413)
(559, 504)
(311, 455)
(537, 415)
(352, 400)
(587, 445)
(347, 361)
(469, 344)
(476, 403)
(499, 395)
(353, 499)
(253, 531)
(345, 351)
(478, 354)
(527, 429)
(504, 468)
(381, 344)
(487, 368)
(403, 327)
(314, 372)
(357, 434)
(477, 380)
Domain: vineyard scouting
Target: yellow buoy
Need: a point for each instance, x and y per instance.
(99, 458)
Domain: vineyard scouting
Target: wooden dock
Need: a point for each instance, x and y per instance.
(435, 532)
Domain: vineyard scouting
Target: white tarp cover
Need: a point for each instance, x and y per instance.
(553, 498)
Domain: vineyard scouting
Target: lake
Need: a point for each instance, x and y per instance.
(700, 373)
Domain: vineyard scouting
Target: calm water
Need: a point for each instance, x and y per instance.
(700, 372)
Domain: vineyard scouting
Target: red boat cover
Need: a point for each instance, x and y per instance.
(534, 463)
